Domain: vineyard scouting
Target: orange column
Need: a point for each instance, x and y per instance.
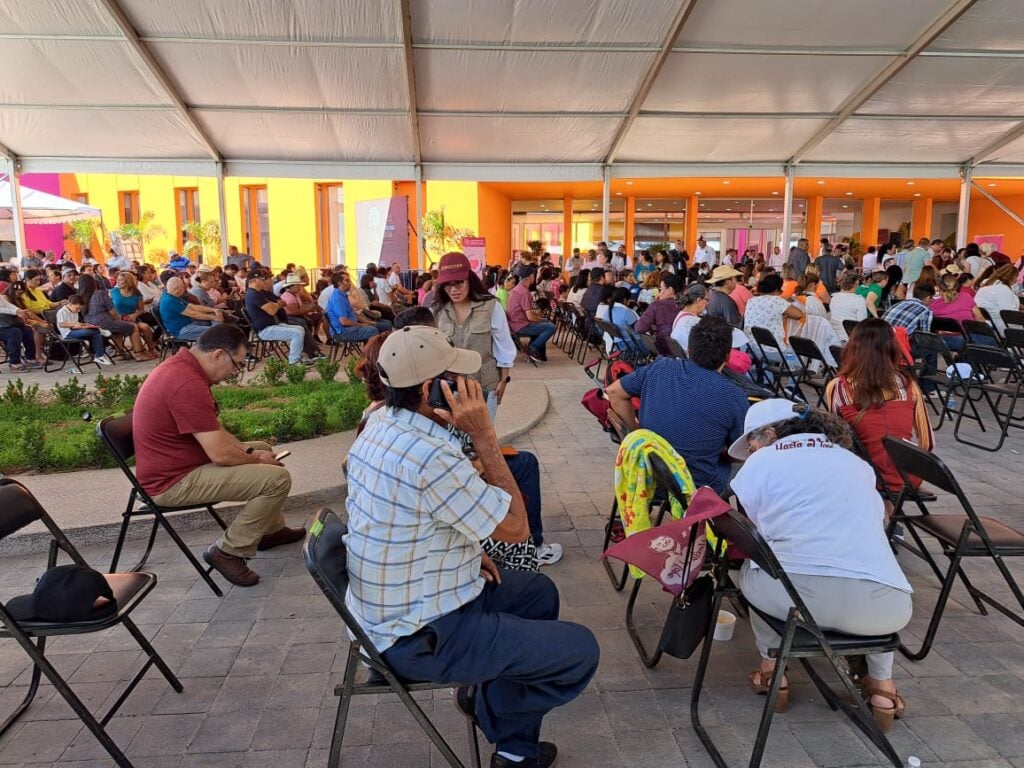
(814, 210)
(629, 240)
(870, 212)
(692, 224)
(567, 233)
(921, 218)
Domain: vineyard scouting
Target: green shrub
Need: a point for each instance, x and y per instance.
(327, 368)
(71, 393)
(296, 374)
(17, 393)
(350, 368)
(130, 386)
(30, 438)
(273, 370)
(108, 391)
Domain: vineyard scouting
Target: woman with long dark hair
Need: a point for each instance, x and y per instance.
(876, 398)
(99, 311)
(579, 287)
(473, 319)
(894, 290)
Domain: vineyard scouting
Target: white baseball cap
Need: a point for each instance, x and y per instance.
(760, 415)
(418, 353)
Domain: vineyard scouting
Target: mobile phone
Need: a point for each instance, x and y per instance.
(282, 455)
(436, 397)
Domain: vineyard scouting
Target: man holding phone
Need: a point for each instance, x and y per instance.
(439, 609)
(184, 456)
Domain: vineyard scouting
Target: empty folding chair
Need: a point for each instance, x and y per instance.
(948, 386)
(19, 508)
(979, 332)
(849, 325)
(115, 432)
(988, 365)
(812, 359)
(801, 638)
(961, 536)
(327, 562)
(774, 362)
(1012, 318)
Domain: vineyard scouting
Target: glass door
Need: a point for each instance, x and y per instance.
(256, 223)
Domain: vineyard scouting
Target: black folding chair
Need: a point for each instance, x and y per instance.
(115, 432)
(960, 536)
(849, 325)
(812, 359)
(1012, 318)
(327, 562)
(801, 638)
(341, 350)
(947, 325)
(71, 349)
(946, 385)
(988, 364)
(778, 371)
(676, 349)
(837, 354)
(19, 508)
(974, 328)
(168, 343)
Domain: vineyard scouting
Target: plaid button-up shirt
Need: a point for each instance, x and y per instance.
(911, 314)
(417, 510)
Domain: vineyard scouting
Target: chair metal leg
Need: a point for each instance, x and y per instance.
(650, 660)
(151, 652)
(123, 534)
(781, 657)
(345, 699)
(424, 722)
(147, 552)
(619, 582)
(474, 744)
(33, 688)
(698, 688)
(200, 569)
(940, 607)
(217, 517)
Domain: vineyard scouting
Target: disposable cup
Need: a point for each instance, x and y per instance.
(725, 626)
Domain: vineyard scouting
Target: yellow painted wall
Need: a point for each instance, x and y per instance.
(459, 198)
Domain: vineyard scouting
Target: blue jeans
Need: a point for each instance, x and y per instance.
(94, 337)
(14, 337)
(525, 470)
(354, 333)
(507, 641)
(192, 331)
(538, 333)
(293, 334)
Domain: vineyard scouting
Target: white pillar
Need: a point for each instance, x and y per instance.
(420, 242)
(606, 202)
(965, 206)
(223, 215)
(787, 213)
(16, 214)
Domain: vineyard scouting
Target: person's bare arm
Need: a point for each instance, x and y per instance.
(469, 413)
(199, 312)
(793, 312)
(224, 450)
(622, 404)
(271, 307)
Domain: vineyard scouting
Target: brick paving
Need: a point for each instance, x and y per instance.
(259, 665)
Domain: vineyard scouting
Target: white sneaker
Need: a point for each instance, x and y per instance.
(103, 360)
(549, 554)
(105, 333)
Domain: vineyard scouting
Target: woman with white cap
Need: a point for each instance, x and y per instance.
(828, 536)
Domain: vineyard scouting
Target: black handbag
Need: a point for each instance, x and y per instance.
(689, 619)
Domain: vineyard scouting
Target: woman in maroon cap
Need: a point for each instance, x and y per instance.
(473, 319)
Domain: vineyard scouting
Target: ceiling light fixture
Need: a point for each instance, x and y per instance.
(775, 193)
(696, 193)
(917, 194)
(728, 209)
(846, 206)
(618, 194)
(990, 184)
(820, 181)
(726, 181)
(629, 183)
(849, 194)
(910, 183)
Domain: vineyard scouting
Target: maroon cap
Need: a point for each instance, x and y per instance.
(452, 268)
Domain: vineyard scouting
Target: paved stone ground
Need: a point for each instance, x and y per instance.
(260, 664)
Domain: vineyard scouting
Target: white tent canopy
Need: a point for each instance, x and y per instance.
(533, 89)
(43, 208)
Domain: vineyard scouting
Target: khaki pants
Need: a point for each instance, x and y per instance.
(262, 487)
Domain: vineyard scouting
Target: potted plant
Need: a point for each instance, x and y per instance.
(82, 232)
(441, 237)
(203, 237)
(536, 247)
(136, 236)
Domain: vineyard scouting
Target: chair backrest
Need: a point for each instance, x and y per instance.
(765, 338)
(986, 358)
(979, 328)
(932, 342)
(50, 316)
(1012, 318)
(837, 353)
(1014, 338)
(663, 477)
(912, 460)
(741, 532)
(115, 432)
(849, 325)
(807, 351)
(676, 349)
(18, 508)
(947, 325)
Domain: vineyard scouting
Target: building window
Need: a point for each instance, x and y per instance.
(129, 208)
(82, 198)
(330, 224)
(187, 212)
(256, 224)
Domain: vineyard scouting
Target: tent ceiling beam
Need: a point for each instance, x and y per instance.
(410, 77)
(1007, 138)
(856, 100)
(640, 95)
(156, 71)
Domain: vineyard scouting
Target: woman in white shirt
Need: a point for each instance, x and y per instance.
(847, 304)
(996, 294)
(829, 536)
(769, 310)
(579, 287)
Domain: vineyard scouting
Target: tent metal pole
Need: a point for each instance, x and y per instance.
(963, 213)
(222, 214)
(420, 245)
(997, 203)
(787, 213)
(606, 194)
(16, 214)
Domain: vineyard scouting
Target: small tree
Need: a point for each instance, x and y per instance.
(143, 232)
(82, 232)
(440, 236)
(204, 236)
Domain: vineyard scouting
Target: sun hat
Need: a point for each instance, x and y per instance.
(452, 268)
(951, 269)
(723, 273)
(293, 279)
(760, 415)
(418, 353)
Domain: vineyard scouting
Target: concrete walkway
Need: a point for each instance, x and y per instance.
(88, 504)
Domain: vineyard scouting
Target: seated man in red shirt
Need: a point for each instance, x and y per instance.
(183, 456)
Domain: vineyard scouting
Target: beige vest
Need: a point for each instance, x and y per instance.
(473, 334)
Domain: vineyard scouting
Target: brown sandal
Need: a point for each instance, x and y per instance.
(885, 715)
(756, 681)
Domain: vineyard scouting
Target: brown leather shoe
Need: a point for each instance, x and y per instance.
(230, 567)
(281, 536)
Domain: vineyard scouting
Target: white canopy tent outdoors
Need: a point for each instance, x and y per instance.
(38, 208)
(525, 90)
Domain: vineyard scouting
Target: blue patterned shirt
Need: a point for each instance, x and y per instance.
(417, 510)
(912, 314)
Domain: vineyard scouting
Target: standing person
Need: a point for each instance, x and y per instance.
(183, 456)
(678, 256)
(704, 253)
(99, 311)
(620, 260)
(436, 607)
(915, 262)
(573, 265)
(720, 303)
(828, 267)
(777, 259)
(661, 313)
(71, 328)
(799, 258)
(870, 261)
(524, 319)
(267, 316)
(473, 319)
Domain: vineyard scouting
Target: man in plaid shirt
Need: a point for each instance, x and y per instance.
(914, 314)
